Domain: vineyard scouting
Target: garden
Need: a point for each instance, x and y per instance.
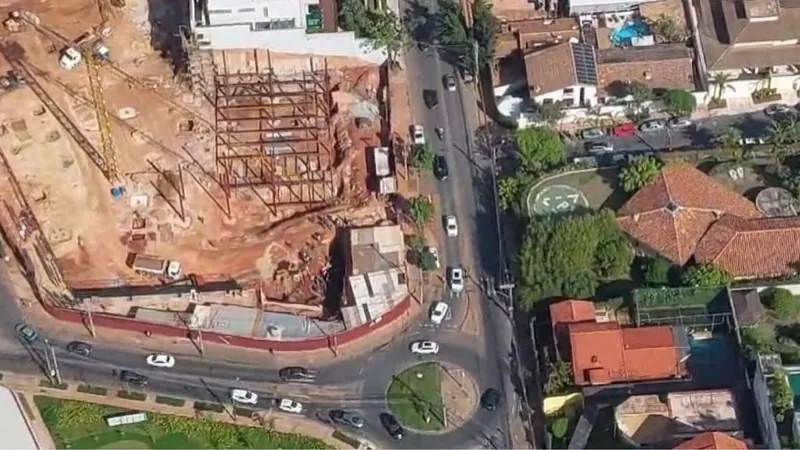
(82, 425)
(415, 397)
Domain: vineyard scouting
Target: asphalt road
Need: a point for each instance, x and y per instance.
(705, 130)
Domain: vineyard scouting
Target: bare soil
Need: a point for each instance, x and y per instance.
(460, 395)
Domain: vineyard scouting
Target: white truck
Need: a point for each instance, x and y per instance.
(150, 265)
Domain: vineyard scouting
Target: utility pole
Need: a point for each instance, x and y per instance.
(200, 342)
(52, 370)
(475, 48)
(92, 330)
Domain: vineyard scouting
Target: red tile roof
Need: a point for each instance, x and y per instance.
(571, 311)
(762, 248)
(671, 215)
(712, 440)
(605, 353)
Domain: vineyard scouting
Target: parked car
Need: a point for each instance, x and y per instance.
(451, 225)
(678, 123)
(424, 348)
(346, 418)
(161, 360)
(624, 129)
(651, 126)
(392, 426)
(129, 376)
(79, 348)
(431, 98)
(593, 133)
(244, 396)
(777, 108)
(417, 135)
(449, 82)
(435, 253)
(440, 169)
(297, 374)
(27, 332)
(438, 312)
(600, 147)
(490, 399)
(750, 140)
(456, 279)
(290, 406)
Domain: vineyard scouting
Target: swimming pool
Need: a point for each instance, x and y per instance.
(794, 383)
(621, 37)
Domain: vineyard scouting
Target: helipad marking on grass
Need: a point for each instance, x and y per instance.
(559, 198)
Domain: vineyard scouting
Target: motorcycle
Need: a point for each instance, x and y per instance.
(440, 133)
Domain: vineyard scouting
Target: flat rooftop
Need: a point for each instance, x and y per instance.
(17, 434)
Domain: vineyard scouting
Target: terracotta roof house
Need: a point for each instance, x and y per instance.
(661, 67)
(604, 353)
(713, 441)
(565, 72)
(564, 313)
(670, 216)
(760, 248)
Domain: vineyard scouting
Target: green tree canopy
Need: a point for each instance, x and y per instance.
(421, 210)
(639, 173)
(680, 102)
(559, 378)
(706, 275)
(422, 158)
(759, 339)
(781, 396)
(540, 148)
(782, 303)
(381, 28)
(656, 271)
(459, 40)
(667, 29)
(566, 255)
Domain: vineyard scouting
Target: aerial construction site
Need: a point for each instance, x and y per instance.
(117, 172)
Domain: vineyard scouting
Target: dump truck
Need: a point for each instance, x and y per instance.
(152, 265)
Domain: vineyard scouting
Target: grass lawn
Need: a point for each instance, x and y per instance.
(81, 425)
(416, 393)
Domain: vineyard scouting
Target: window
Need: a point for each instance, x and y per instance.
(220, 11)
(266, 12)
(246, 10)
(568, 91)
(568, 102)
(547, 101)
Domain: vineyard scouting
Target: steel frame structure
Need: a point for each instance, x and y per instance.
(275, 132)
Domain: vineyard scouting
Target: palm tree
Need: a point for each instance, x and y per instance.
(781, 134)
(721, 82)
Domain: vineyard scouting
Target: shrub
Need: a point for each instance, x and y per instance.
(172, 401)
(759, 339)
(706, 275)
(94, 390)
(559, 378)
(560, 427)
(782, 303)
(128, 395)
(656, 271)
(205, 406)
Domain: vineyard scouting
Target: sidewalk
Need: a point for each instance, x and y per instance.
(28, 387)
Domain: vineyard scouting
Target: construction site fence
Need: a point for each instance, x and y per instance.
(150, 328)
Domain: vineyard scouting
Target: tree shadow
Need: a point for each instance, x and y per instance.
(750, 126)
(167, 20)
(420, 21)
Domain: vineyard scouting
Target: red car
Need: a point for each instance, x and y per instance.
(625, 129)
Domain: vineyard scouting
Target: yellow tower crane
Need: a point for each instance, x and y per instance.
(88, 48)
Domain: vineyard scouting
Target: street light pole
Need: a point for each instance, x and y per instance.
(52, 370)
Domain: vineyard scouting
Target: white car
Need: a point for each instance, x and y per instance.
(438, 312)
(290, 406)
(244, 396)
(753, 141)
(424, 348)
(593, 133)
(680, 123)
(651, 126)
(456, 279)
(435, 253)
(418, 135)
(161, 360)
(451, 225)
(600, 147)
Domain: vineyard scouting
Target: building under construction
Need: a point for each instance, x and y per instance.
(274, 134)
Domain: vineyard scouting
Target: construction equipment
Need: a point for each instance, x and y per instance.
(88, 47)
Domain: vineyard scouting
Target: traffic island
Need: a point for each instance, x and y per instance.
(432, 397)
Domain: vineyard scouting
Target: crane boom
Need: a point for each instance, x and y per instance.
(107, 146)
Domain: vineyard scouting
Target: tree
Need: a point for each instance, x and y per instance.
(614, 257)
(706, 275)
(384, 31)
(550, 112)
(656, 271)
(509, 190)
(459, 41)
(782, 303)
(667, 29)
(640, 92)
(721, 81)
(731, 139)
(780, 394)
(639, 173)
(484, 31)
(560, 427)
(540, 148)
(680, 102)
(759, 339)
(781, 134)
(422, 158)
(559, 378)
(421, 210)
(427, 261)
(352, 16)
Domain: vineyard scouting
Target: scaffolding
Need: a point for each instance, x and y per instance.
(274, 132)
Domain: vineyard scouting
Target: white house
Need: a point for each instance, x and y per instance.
(578, 7)
(565, 72)
(286, 26)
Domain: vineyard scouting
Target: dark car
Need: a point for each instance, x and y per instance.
(27, 333)
(431, 98)
(392, 426)
(79, 348)
(449, 82)
(297, 374)
(132, 377)
(346, 418)
(490, 399)
(440, 169)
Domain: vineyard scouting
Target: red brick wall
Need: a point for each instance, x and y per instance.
(139, 326)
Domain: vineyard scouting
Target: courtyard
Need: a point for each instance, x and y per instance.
(591, 189)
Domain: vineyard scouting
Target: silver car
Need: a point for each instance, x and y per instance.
(593, 133)
(680, 123)
(651, 126)
(600, 147)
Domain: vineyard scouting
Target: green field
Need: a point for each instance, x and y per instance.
(81, 425)
(415, 397)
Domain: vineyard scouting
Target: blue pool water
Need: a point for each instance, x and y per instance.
(621, 37)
